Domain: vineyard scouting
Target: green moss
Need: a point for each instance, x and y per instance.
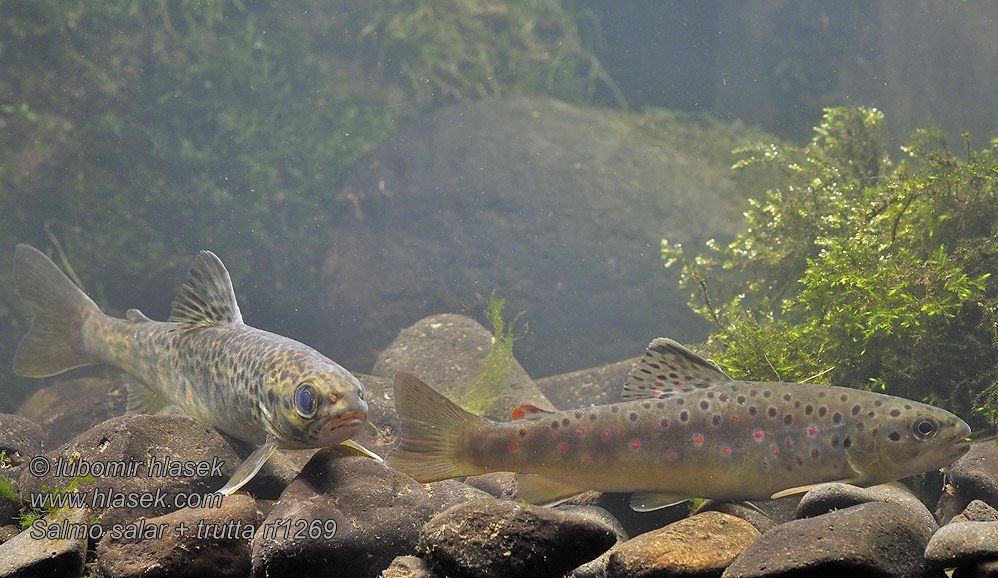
(29, 515)
(857, 271)
(481, 393)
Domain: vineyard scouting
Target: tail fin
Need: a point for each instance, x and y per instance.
(54, 343)
(431, 427)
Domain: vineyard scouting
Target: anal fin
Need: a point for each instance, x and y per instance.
(250, 466)
(537, 489)
(802, 489)
(649, 501)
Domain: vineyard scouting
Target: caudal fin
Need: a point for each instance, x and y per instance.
(432, 427)
(54, 343)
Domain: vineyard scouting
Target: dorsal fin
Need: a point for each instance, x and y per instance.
(527, 411)
(207, 297)
(668, 368)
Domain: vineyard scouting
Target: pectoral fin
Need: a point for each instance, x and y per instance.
(649, 501)
(802, 489)
(250, 466)
(362, 449)
(142, 398)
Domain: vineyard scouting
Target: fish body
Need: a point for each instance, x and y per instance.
(204, 361)
(685, 430)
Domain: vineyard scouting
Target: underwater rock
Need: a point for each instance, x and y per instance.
(361, 515)
(496, 484)
(833, 496)
(213, 542)
(20, 440)
(498, 539)
(558, 208)
(409, 567)
(963, 544)
(381, 432)
(972, 477)
(24, 555)
(982, 570)
(124, 447)
(748, 512)
(873, 539)
(701, 545)
(594, 386)
(446, 351)
(70, 407)
(977, 511)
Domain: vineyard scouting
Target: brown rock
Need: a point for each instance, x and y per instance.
(594, 386)
(25, 555)
(70, 407)
(216, 542)
(701, 545)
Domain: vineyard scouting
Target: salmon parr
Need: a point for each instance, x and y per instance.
(685, 430)
(204, 361)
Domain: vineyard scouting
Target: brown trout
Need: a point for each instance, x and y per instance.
(686, 430)
(203, 362)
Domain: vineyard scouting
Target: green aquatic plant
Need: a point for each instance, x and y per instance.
(52, 497)
(857, 271)
(8, 489)
(483, 391)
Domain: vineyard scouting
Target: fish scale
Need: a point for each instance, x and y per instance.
(686, 430)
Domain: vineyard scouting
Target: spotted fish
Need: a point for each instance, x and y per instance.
(685, 430)
(203, 362)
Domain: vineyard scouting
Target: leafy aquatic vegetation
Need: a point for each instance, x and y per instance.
(855, 269)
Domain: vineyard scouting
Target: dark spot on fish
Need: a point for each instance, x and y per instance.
(772, 412)
(821, 394)
(870, 413)
(684, 416)
(704, 405)
(592, 417)
(554, 425)
(716, 420)
(632, 416)
(797, 404)
(767, 393)
(878, 403)
(906, 406)
(646, 405)
(741, 399)
(523, 433)
(664, 424)
(837, 418)
(835, 441)
(752, 410)
(565, 422)
(271, 396)
(788, 419)
(800, 461)
(808, 409)
(723, 397)
(673, 375)
(856, 409)
(790, 468)
(702, 385)
(814, 453)
(894, 436)
(680, 401)
(844, 397)
(645, 371)
(822, 411)
(753, 393)
(660, 405)
(895, 412)
(846, 443)
(859, 426)
(614, 409)
(654, 365)
(786, 397)
(578, 415)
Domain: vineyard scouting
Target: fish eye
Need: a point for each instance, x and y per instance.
(306, 400)
(924, 428)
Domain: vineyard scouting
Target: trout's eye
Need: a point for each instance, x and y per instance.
(306, 400)
(924, 428)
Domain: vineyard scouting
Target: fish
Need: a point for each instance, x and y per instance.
(203, 362)
(684, 430)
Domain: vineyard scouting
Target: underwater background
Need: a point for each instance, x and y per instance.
(359, 166)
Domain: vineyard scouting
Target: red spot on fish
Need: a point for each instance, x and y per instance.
(518, 413)
(726, 451)
(671, 455)
(602, 458)
(812, 430)
(606, 434)
(211, 394)
(758, 434)
(765, 465)
(659, 384)
(679, 384)
(658, 391)
(585, 458)
(513, 447)
(190, 393)
(159, 369)
(561, 447)
(790, 443)
(734, 420)
(776, 450)
(697, 439)
(635, 445)
(580, 431)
